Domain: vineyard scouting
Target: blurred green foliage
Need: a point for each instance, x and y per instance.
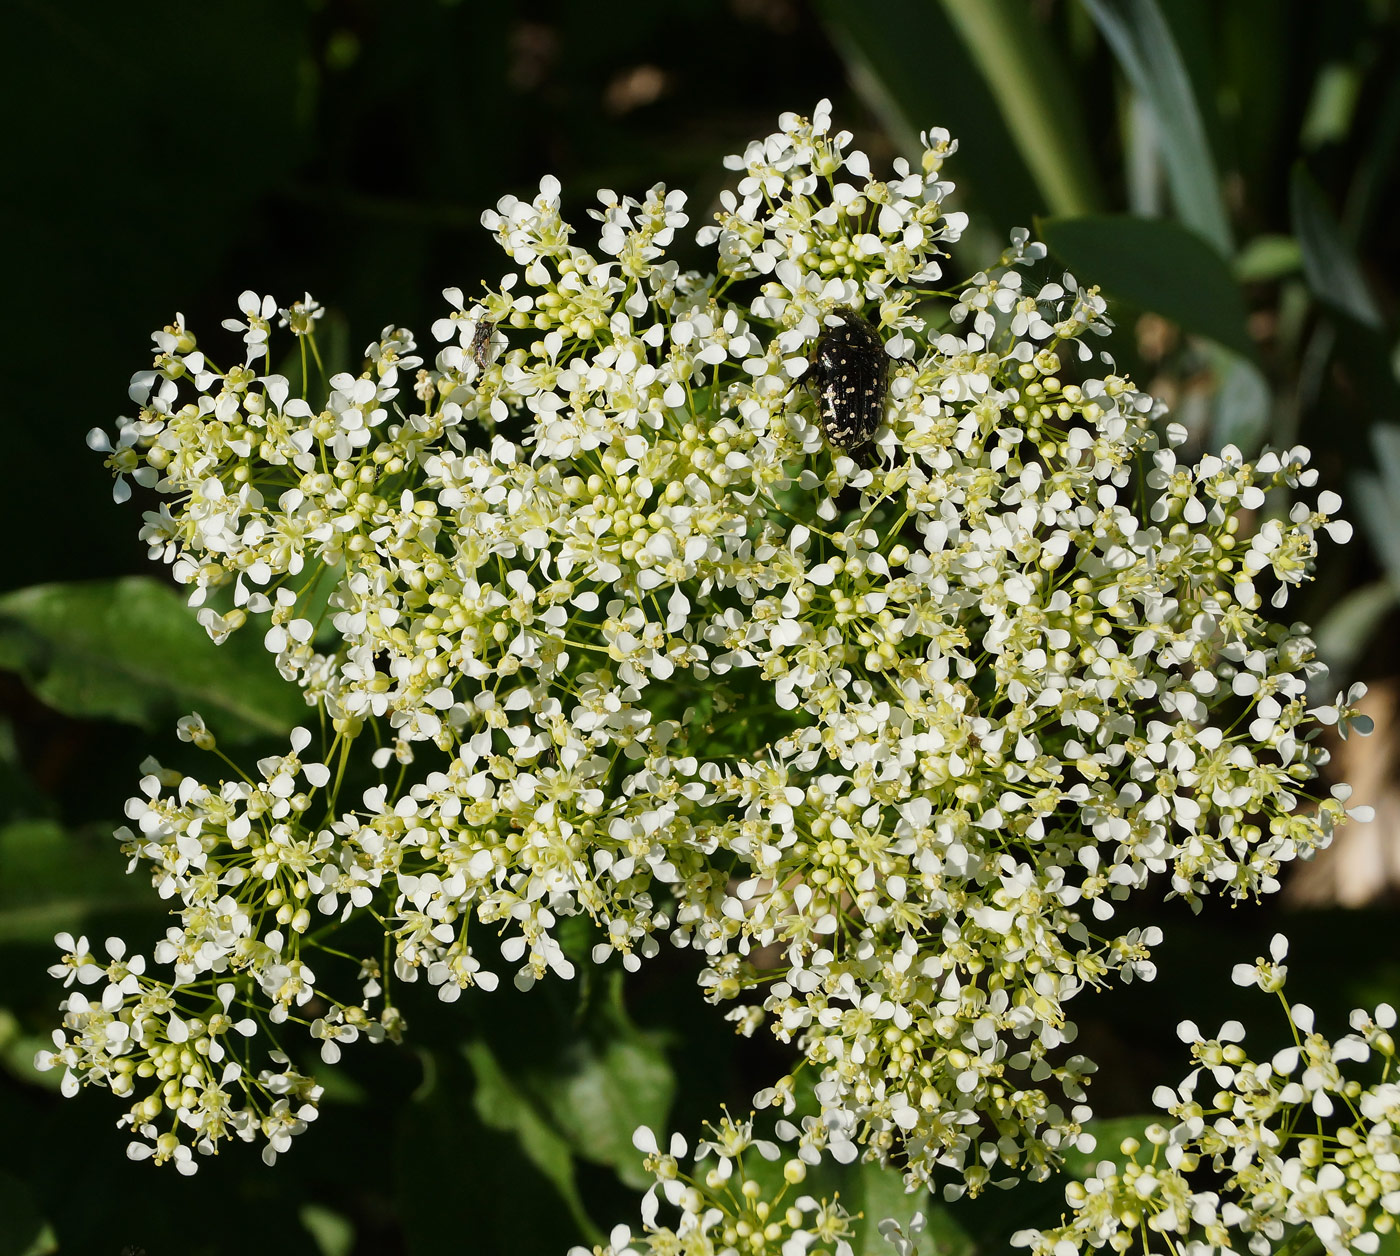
(1225, 172)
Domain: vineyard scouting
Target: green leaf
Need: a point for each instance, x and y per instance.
(51, 879)
(498, 1194)
(1385, 442)
(1329, 265)
(17, 1052)
(879, 1193)
(1143, 45)
(1036, 96)
(1380, 518)
(989, 1220)
(604, 1085)
(588, 1071)
(1331, 111)
(1241, 406)
(20, 796)
(1348, 627)
(334, 1234)
(1377, 499)
(945, 1234)
(504, 1106)
(1268, 257)
(130, 650)
(1155, 265)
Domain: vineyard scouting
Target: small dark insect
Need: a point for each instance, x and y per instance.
(481, 343)
(850, 373)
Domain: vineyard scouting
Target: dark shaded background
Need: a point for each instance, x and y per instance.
(164, 158)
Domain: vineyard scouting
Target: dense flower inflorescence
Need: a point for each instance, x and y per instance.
(626, 638)
(1260, 1151)
(724, 1206)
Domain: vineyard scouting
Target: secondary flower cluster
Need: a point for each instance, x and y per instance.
(626, 638)
(1267, 1149)
(726, 1207)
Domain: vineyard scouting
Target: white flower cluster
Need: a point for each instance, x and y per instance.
(181, 1041)
(1268, 1150)
(887, 745)
(726, 1208)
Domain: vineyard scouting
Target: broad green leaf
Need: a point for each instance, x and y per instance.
(1155, 265)
(588, 1071)
(504, 1171)
(502, 1105)
(880, 1195)
(51, 880)
(1037, 98)
(985, 1224)
(944, 1235)
(1329, 265)
(1143, 45)
(607, 1083)
(130, 650)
